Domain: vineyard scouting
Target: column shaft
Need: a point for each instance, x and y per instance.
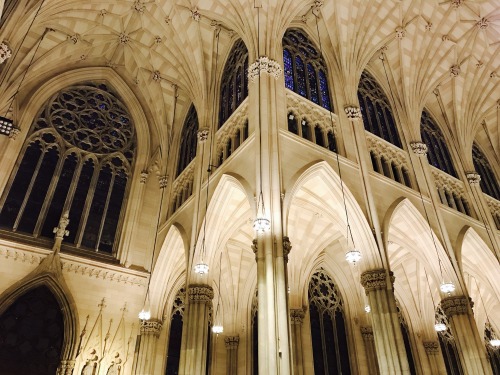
(232, 343)
(296, 320)
(148, 340)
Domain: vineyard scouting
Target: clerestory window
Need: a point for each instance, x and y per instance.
(189, 140)
(489, 184)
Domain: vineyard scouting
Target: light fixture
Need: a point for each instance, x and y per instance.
(368, 308)
(353, 256)
(440, 327)
(261, 225)
(145, 314)
(447, 287)
(495, 342)
(201, 268)
(217, 329)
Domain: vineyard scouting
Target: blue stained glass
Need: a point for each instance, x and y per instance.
(287, 60)
(313, 85)
(325, 95)
(301, 76)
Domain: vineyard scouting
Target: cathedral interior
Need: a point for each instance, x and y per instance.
(249, 187)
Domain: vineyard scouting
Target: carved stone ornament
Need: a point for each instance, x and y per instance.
(232, 342)
(200, 294)
(60, 231)
(473, 178)
(367, 333)
(66, 367)
(455, 71)
(5, 52)
(163, 180)
(287, 246)
(456, 3)
(419, 148)
(297, 316)
(255, 247)
(352, 112)
(203, 135)
(156, 76)
(151, 327)
(400, 32)
(14, 132)
(374, 280)
(264, 65)
(431, 347)
(456, 305)
(482, 24)
(195, 14)
(143, 177)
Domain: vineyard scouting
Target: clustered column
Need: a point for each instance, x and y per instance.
(388, 338)
(458, 309)
(66, 368)
(232, 343)
(148, 339)
(371, 353)
(297, 320)
(436, 362)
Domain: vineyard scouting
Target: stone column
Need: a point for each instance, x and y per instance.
(472, 353)
(195, 332)
(296, 320)
(371, 353)
(388, 338)
(66, 367)
(436, 361)
(147, 343)
(232, 343)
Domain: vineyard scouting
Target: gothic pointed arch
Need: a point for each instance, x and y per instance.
(437, 149)
(489, 182)
(77, 157)
(176, 316)
(189, 140)
(234, 83)
(305, 68)
(376, 110)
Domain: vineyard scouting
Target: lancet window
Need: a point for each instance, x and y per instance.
(189, 140)
(234, 84)
(376, 110)
(328, 329)
(175, 335)
(437, 150)
(77, 158)
(489, 184)
(448, 345)
(406, 339)
(305, 68)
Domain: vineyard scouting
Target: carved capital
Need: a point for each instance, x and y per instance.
(473, 178)
(287, 246)
(431, 347)
(144, 177)
(232, 342)
(374, 280)
(455, 305)
(163, 180)
(297, 316)
(200, 294)
(255, 247)
(419, 148)
(367, 333)
(151, 327)
(66, 367)
(264, 65)
(352, 112)
(5, 52)
(400, 32)
(455, 71)
(202, 134)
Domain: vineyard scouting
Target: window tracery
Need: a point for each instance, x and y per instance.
(376, 110)
(492, 351)
(189, 140)
(77, 157)
(175, 335)
(305, 68)
(328, 330)
(488, 183)
(437, 150)
(234, 84)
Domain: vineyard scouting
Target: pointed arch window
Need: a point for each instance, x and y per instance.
(328, 329)
(376, 110)
(493, 352)
(305, 68)
(406, 339)
(234, 84)
(77, 158)
(437, 150)
(189, 140)
(175, 335)
(489, 183)
(448, 345)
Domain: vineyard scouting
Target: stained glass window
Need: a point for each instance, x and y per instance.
(328, 330)
(189, 140)
(175, 335)
(78, 154)
(234, 84)
(305, 69)
(376, 110)
(489, 183)
(437, 150)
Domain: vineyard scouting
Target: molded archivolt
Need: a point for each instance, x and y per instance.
(315, 221)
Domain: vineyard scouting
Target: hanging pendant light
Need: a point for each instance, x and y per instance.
(440, 327)
(145, 313)
(217, 329)
(353, 256)
(495, 342)
(447, 287)
(261, 224)
(368, 308)
(201, 268)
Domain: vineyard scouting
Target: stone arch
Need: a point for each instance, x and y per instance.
(56, 285)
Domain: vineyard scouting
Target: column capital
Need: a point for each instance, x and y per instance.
(66, 367)
(367, 333)
(287, 246)
(232, 342)
(264, 65)
(375, 279)
(456, 305)
(431, 347)
(151, 327)
(200, 294)
(297, 316)
(163, 180)
(352, 112)
(5, 52)
(14, 132)
(473, 178)
(143, 177)
(419, 148)
(203, 134)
